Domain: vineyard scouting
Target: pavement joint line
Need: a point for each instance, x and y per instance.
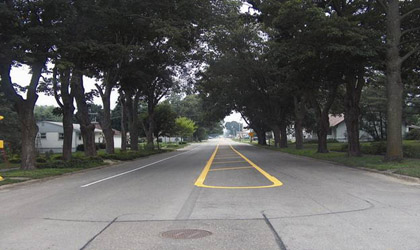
(94, 237)
(130, 171)
(200, 180)
(232, 168)
(279, 241)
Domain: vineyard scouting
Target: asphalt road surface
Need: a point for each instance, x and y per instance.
(214, 195)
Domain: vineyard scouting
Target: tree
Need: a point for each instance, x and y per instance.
(29, 32)
(47, 113)
(400, 46)
(184, 127)
(164, 120)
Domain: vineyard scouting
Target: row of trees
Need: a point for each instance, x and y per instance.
(294, 62)
(141, 47)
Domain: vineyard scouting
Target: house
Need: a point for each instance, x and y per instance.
(338, 130)
(51, 134)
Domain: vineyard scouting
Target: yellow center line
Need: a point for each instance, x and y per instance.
(200, 180)
(232, 168)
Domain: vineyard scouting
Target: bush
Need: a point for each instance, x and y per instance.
(411, 151)
(15, 159)
(374, 148)
(41, 160)
(75, 162)
(413, 134)
(182, 142)
(81, 147)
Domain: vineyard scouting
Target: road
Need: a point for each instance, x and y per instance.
(214, 195)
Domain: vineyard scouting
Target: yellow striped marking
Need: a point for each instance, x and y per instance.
(232, 157)
(232, 168)
(223, 162)
(200, 180)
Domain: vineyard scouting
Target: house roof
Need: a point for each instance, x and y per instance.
(335, 120)
(76, 127)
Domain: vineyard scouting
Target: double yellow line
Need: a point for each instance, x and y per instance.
(200, 180)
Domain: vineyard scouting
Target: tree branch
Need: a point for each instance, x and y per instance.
(416, 49)
(101, 92)
(409, 30)
(409, 13)
(383, 3)
(7, 85)
(55, 88)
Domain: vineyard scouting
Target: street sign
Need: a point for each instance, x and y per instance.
(251, 134)
(1, 144)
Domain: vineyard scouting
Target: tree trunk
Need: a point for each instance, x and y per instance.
(394, 84)
(123, 122)
(299, 116)
(150, 129)
(322, 132)
(323, 118)
(68, 112)
(283, 137)
(25, 110)
(86, 127)
(133, 120)
(352, 113)
(262, 140)
(66, 104)
(299, 134)
(29, 131)
(277, 137)
(106, 119)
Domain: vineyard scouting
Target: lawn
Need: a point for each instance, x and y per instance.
(410, 166)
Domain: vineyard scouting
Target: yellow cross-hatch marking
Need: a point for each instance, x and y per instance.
(232, 168)
(200, 180)
(224, 162)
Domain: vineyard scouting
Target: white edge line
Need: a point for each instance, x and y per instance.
(127, 172)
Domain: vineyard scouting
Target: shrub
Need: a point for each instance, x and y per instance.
(75, 162)
(374, 148)
(41, 160)
(411, 151)
(182, 142)
(413, 134)
(15, 159)
(81, 147)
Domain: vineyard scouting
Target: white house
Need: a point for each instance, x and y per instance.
(51, 134)
(338, 130)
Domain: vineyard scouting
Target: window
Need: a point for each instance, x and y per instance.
(80, 137)
(61, 136)
(330, 131)
(43, 135)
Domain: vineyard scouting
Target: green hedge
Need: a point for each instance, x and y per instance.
(410, 150)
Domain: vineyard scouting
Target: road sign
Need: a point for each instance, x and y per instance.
(1, 117)
(251, 134)
(1, 144)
